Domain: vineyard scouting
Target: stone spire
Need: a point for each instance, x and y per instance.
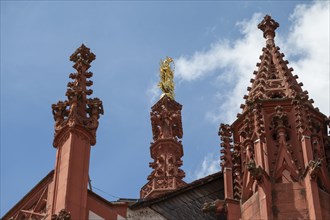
(273, 78)
(78, 111)
(166, 150)
(76, 121)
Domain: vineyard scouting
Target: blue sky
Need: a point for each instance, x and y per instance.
(215, 46)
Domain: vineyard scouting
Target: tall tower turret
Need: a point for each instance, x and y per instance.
(76, 122)
(166, 150)
(275, 156)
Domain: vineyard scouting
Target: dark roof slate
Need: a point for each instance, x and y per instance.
(186, 202)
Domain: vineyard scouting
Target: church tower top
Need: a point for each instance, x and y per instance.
(279, 141)
(273, 80)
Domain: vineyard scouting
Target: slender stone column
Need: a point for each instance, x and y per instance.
(76, 122)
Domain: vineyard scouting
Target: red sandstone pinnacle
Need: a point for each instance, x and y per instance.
(166, 150)
(78, 110)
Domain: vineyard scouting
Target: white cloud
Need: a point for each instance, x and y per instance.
(234, 63)
(210, 164)
(309, 40)
(153, 93)
(223, 54)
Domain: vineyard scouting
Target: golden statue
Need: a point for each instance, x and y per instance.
(166, 83)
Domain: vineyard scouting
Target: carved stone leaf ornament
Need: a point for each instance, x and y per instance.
(62, 215)
(256, 172)
(314, 167)
(218, 206)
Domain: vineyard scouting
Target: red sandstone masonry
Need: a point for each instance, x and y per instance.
(275, 146)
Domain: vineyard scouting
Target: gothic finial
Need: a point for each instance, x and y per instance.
(78, 109)
(268, 26)
(166, 83)
(82, 56)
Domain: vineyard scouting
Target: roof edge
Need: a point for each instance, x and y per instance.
(40, 184)
(197, 183)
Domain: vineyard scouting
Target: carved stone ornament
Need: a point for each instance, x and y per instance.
(247, 130)
(225, 134)
(259, 121)
(313, 124)
(314, 168)
(62, 215)
(166, 120)
(268, 26)
(280, 125)
(146, 189)
(300, 112)
(218, 206)
(256, 172)
(166, 150)
(78, 110)
(237, 171)
(279, 119)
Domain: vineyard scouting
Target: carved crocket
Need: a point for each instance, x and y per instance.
(314, 167)
(256, 172)
(218, 206)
